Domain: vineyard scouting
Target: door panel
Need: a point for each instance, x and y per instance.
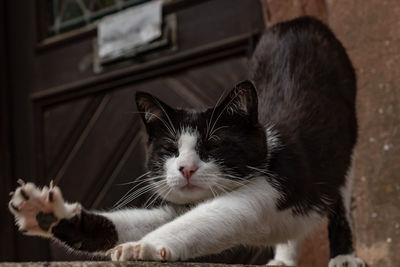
(80, 128)
(200, 24)
(61, 122)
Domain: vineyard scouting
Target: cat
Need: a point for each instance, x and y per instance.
(262, 167)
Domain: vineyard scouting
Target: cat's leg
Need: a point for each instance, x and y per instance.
(285, 254)
(340, 238)
(240, 216)
(43, 212)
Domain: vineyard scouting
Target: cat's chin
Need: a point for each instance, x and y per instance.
(188, 194)
(190, 188)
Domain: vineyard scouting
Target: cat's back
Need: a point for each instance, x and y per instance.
(307, 88)
(300, 68)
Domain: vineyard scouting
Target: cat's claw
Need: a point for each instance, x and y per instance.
(139, 251)
(36, 210)
(346, 260)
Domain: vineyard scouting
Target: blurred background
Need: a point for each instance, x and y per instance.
(70, 69)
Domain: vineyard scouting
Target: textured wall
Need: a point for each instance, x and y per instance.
(280, 10)
(370, 31)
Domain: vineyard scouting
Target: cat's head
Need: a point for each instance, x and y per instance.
(194, 155)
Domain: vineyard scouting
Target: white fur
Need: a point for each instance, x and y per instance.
(285, 254)
(38, 201)
(346, 260)
(133, 224)
(207, 178)
(245, 216)
(272, 139)
(346, 192)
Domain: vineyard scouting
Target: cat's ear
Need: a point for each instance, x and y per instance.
(243, 100)
(152, 109)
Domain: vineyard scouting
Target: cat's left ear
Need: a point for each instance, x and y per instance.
(152, 109)
(243, 100)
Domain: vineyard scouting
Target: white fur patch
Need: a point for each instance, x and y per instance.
(273, 142)
(29, 200)
(143, 220)
(205, 178)
(247, 215)
(285, 254)
(346, 191)
(346, 260)
(187, 149)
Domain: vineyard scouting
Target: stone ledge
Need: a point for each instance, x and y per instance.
(114, 264)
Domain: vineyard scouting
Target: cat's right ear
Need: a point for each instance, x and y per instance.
(242, 100)
(152, 109)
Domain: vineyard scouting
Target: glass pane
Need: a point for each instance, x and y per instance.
(71, 10)
(67, 15)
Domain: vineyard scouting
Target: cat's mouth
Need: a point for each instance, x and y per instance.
(190, 187)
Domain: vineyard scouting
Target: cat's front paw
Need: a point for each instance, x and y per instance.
(36, 210)
(140, 251)
(346, 260)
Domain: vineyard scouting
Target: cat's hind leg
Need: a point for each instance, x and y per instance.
(340, 238)
(285, 254)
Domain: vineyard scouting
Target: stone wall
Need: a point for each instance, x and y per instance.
(370, 31)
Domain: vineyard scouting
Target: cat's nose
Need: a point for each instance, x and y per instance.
(188, 171)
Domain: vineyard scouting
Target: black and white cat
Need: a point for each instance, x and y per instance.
(261, 168)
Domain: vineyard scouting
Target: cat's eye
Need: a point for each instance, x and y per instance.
(171, 149)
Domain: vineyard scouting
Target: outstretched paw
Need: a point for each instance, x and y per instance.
(36, 210)
(139, 251)
(346, 260)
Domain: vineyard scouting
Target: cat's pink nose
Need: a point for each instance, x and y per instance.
(188, 171)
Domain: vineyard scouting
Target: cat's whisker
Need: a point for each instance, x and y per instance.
(126, 195)
(148, 179)
(166, 114)
(133, 188)
(212, 113)
(149, 200)
(223, 110)
(212, 191)
(157, 194)
(221, 187)
(264, 171)
(137, 179)
(137, 193)
(215, 130)
(165, 196)
(170, 130)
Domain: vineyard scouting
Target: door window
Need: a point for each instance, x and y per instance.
(67, 15)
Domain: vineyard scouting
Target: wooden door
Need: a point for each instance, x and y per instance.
(79, 127)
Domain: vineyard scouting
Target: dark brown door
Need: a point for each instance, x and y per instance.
(79, 127)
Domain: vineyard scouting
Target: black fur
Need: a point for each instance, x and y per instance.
(306, 90)
(340, 236)
(239, 131)
(45, 220)
(88, 232)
